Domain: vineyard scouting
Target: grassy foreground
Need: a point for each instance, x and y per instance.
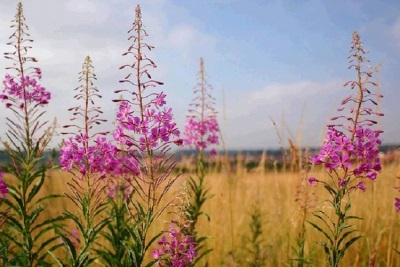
(236, 194)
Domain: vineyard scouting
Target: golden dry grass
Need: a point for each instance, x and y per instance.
(235, 195)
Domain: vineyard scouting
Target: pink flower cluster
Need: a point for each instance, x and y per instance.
(3, 187)
(201, 133)
(359, 157)
(103, 159)
(100, 158)
(176, 250)
(26, 89)
(153, 127)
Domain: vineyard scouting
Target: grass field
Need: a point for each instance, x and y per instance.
(236, 194)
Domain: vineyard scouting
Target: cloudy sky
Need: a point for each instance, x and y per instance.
(266, 59)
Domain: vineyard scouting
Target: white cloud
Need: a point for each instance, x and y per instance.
(252, 111)
(285, 94)
(82, 6)
(186, 39)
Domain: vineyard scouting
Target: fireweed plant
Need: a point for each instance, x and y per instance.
(350, 156)
(306, 201)
(175, 248)
(145, 129)
(201, 132)
(255, 246)
(90, 158)
(26, 236)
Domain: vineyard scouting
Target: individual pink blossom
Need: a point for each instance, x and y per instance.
(361, 186)
(312, 181)
(3, 187)
(397, 204)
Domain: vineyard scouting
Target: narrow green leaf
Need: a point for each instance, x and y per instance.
(58, 261)
(36, 188)
(322, 231)
(347, 245)
(152, 240)
(344, 237)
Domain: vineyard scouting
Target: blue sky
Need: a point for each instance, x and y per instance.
(285, 60)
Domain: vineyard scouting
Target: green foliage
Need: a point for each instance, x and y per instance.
(198, 195)
(338, 232)
(138, 244)
(27, 234)
(256, 245)
(89, 225)
(301, 259)
(117, 234)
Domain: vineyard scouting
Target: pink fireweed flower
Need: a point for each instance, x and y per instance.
(312, 181)
(359, 158)
(335, 151)
(152, 130)
(178, 249)
(361, 186)
(3, 187)
(367, 152)
(100, 157)
(25, 88)
(159, 101)
(201, 127)
(201, 134)
(397, 204)
(342, 182)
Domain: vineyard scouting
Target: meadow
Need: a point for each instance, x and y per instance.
(236, 194)
(122, 198)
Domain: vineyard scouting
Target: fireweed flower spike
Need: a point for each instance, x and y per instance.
(28, 135)
(90, 159)
(145, 128)
(350, 153)
(201, 128)
(201, 132)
